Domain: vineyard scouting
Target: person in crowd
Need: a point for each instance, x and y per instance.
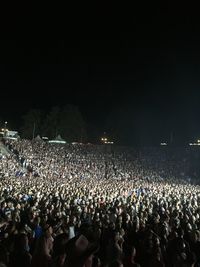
(41, 255)
(20, 255)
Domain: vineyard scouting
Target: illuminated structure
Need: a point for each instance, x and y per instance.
(105, 141)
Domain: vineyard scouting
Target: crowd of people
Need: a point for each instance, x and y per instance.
(88, 205)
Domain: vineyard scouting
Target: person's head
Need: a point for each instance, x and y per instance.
(130, 253)
(181, 245)
(59, 244)
(37, 220)
(21, 242)
(42, 246)
(79, 252)
(116, 263)
(3, 255)
(96, 262)
(191, 259)
(48, 230)
(112, 226)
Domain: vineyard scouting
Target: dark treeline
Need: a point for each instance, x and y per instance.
(125, 125)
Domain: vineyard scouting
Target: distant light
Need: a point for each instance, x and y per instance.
(106, 141)
(45, 138)
(194, 144)
(163, 144)
(198, 141)
(56, 142)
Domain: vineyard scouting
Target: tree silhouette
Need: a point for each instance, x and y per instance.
(66, 121)
(52, 122)
(32, 123)
(72, 126)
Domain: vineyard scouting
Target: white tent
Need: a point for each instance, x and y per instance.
(38, 138)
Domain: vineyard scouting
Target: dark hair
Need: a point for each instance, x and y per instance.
(59, 244)
(191, 258)
(115, 263)
(20, 242)
(95, 262)
(3, 254)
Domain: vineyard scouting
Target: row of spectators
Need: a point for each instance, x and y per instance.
(97, 206)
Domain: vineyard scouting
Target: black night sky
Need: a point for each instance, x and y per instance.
(143, 61)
